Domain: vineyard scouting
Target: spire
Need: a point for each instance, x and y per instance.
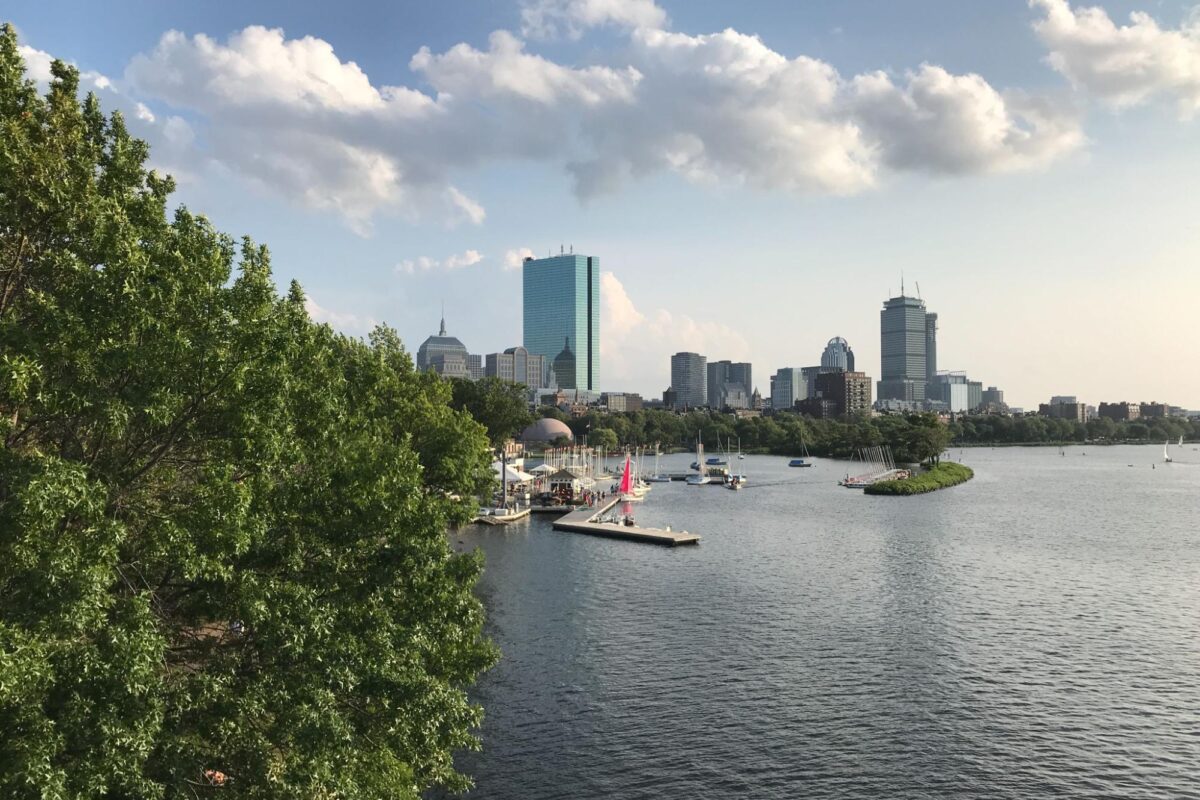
(902, 283)
(442, 329)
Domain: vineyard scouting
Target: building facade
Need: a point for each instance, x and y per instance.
(951, 388)
(561, 316)
(850, 392)
(838, 355)
(518, 365)
(729, 384)
(974, 396)
(621, 401)
(1120, 411)
(788, 385)
(904, 338)
(1076, 412)
(448, 357)
(689, 379)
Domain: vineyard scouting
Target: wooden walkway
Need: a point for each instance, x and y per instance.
(584, 521)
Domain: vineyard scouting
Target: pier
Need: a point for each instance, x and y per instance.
(584, 521)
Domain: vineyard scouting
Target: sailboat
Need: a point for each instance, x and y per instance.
(701, 476)
(657, 477)
(626, 488)
(741, 455)
(1180, 441)
(806, 461)
(1166, 455)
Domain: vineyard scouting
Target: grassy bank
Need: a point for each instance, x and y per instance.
(939, 477)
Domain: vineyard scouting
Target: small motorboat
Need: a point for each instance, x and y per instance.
(799, 462)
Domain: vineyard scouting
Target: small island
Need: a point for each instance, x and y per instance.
(938, 476)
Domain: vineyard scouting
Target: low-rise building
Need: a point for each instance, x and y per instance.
(1154, 409)
(621, 401)
(518, 365)
(1076, 412)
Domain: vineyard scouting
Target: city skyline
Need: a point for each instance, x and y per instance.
(1064, 212)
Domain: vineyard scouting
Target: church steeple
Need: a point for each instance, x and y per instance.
(442, 329)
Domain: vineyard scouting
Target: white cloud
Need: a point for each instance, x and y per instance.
(347, 323)
(546, 19)
(636, 346)
(718, 108)
(513, 259)
(1122, 64)
(427, 264)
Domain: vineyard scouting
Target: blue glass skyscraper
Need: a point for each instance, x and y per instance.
(562, 316)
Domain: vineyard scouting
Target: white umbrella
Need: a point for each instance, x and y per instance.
(544, 469)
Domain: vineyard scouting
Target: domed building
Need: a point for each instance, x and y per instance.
(448, 357)
(838, 355)
(546, 431)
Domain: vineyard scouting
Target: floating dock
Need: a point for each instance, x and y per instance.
(584, 521)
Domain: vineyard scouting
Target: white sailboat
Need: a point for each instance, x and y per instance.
(701, 476)
(658, 476)
(1166, 455)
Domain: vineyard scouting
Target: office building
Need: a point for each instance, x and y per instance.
(993, 397)
(1154, 409)
(1120, 411)
(689, 379)
(838, 355)
(730, 384)
(562, 316)
(448, 357)
(518, 365)
(951, 388)
(787, 386)
(670, 399)
(974, 396)
(1063, 398)
(906, 336)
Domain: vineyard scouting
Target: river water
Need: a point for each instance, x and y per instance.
(1034, 632)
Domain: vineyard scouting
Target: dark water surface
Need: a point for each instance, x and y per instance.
(1032, 633)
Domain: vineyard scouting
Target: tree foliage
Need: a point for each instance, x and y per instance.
(499, 405)
(222, 527)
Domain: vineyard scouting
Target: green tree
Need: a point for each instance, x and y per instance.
(222, 527)
(497, 404)
(603, 437)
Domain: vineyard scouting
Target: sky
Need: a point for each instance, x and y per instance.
(754, 177)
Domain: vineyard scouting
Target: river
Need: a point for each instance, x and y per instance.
(1034, 632)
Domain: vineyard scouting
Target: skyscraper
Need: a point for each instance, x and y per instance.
(930, 354)
(562, 316)
(730, 384)
(905, 334)
(838, 355)
(689, 380)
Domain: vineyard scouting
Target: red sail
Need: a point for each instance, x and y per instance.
(626, 483)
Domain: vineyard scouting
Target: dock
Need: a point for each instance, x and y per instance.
(584, 521)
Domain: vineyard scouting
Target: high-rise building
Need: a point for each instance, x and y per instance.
(850, 392)
(448, 357)
(930, 351)
(562, 316)
(689, 379)
(974, 395)
(905, 334)
(730, 384)
(787, 386)
(838, 355)
(518, 365)
(952, 388)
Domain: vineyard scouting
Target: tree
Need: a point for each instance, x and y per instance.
(603, 437)
(222, 527)
(497, 404)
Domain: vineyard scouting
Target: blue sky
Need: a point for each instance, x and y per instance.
(753, 176)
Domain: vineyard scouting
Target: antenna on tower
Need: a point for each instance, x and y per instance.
(918, 290)
(560, 250)
(572, 249)
(902, 283)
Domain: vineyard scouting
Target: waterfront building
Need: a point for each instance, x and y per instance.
(905, 337)
(787, 386)
(729, 384)
(518, 365)
(849, 392)
(561, 316)
(448, 357)
(546, 431)
(1154, 409)
(689, 379)
(1076, 412)
(1120, 411)
(838, 355)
